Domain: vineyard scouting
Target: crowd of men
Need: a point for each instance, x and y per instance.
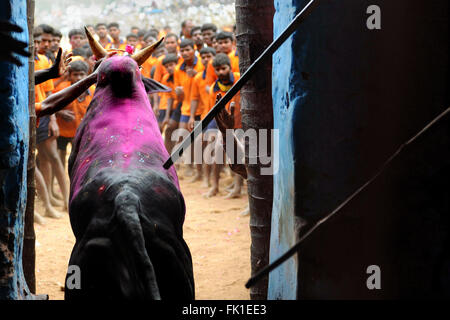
(197, 64)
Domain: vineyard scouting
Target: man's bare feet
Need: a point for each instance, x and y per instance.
(211, 192)
(52, 213)
(234, 194)
(39, 219)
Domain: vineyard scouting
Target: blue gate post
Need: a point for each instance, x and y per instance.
(283, 281)
(14, 137)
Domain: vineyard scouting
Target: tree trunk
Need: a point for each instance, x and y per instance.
(254, 22)
(29, 255)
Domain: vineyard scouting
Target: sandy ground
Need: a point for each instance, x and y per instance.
(217, 235)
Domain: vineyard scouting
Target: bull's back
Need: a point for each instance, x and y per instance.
(101, 232)
(124, 136)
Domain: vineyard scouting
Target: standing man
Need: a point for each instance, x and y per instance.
(208, 31)
(48, 130)
(76, 38)
(114, 32)
(196, 34)
(102, 32)
(186, 27)
(183, 78)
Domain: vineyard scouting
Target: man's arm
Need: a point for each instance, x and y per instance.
(194, 106)
(61, 99)
(225, 121)
(56, 70)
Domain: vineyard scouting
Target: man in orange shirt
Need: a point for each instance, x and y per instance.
(46, 134)
(186, 27)
(183, 78)
(208, 31)
(70, 117)
(171, 45)
(196, 34)
(102, 32)
(226, 79)
(167, 101)
(199, 95)
(76, 38)
(132, 40)
(224, 45)
(200, 101)
(114, 32)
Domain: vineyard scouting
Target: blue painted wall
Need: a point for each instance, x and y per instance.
(14, 136)
(283, 281)
(345, 98)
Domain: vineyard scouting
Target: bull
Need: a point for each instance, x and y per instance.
(126, 211)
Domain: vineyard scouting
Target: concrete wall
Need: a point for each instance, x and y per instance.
(14, 136)
(345, 98)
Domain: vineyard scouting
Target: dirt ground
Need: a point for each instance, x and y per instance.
(217, 235)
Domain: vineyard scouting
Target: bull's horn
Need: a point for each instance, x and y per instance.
(96, 47)
(145, 53)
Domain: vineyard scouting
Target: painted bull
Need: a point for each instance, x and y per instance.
(126, 210)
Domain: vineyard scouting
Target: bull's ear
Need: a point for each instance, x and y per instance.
(96, 47)
(152, 86)
(145, 53)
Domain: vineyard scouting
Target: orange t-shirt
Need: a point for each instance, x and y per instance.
(160, 71)
(181, 79)
(68, 129)
(147, 66)
(122, 45)
(216, 89)
(211, 76)
(41, 62)
(164, 96)
(200, 94)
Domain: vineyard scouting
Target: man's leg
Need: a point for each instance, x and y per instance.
(42, 191)
(50, 150)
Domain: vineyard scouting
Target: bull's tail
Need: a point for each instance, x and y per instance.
(126, 207)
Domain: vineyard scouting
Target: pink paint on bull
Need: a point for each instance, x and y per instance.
(119, 130)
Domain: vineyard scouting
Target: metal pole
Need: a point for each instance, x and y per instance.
(301, 16)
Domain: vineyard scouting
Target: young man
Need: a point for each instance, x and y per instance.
(47, 132)
(141, 34)
(148, 65)
(76, 38)
(225, 80)
(196, 34)
(132, 40)
(200, 100)
(183, 78)
(135, 30)
(208, 31)
(167, 99)
(224, 45)
(171, 45)
(54, 45)
(114, 32)
(46, 39)
(186, 27)
(102, 32)
(70, 117)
